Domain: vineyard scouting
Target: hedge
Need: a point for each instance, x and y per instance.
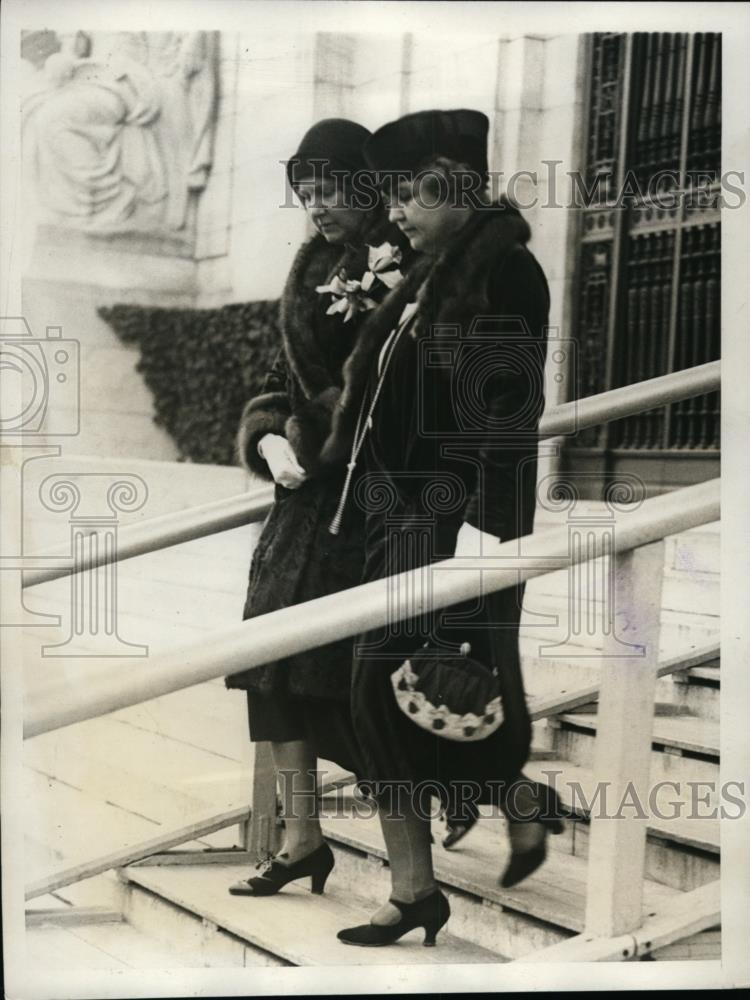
(201, 366)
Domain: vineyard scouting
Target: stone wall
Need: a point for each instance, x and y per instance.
(245, 224)
(528, 86)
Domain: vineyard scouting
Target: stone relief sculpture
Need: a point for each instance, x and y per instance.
(118, 128)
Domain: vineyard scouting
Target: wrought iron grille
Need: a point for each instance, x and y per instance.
(649, 262)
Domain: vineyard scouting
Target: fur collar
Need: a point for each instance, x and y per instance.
(447, 289)
(316, 263)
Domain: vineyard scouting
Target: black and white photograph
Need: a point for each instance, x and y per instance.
(373, 436)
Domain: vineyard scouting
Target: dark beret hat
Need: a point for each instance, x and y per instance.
(410, 142)
(336, 141)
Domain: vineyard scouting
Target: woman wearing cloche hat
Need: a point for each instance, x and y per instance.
(301, 704)
(443, 456)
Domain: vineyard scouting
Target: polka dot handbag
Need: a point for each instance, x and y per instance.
(452, 696)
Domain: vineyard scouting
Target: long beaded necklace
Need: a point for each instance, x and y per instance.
(364, 424)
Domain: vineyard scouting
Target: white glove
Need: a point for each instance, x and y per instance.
(282, 461)
(473, 543)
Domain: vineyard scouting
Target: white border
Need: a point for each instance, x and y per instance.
(438, 19)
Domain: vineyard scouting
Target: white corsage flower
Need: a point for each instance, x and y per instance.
(383, 264)
(350, 296)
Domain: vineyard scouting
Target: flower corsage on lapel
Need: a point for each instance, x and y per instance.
(351, 296)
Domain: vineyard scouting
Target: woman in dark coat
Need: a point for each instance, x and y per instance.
(301, 704)
(456, 357)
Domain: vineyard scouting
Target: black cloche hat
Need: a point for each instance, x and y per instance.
(331, 144)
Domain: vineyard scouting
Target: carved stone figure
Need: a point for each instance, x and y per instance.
(116, 140)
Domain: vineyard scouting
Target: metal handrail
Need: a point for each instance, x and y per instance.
(247, 508)
(128, 855)
(164, 531)
(630, 399)
(315, 623)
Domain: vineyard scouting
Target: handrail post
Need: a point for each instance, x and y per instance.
(262, 832)
(617, 846)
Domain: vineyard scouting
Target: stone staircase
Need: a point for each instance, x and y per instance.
(682, 849)
(122, 779)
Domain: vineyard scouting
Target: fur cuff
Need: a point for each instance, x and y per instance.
(263, 415)
(307, 430)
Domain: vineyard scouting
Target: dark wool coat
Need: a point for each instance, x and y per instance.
(454, 439)
(297, 559)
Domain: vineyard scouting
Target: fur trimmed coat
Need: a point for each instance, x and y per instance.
(296, 558)
(453, 439)
(479, 385)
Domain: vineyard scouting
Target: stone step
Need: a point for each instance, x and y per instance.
(702, 947)
(82, 655)
(68, 826)
(204, 943)
(486, 921)
(164, 613)
(141, 599)
(708, 674)
(554, 895)
(667, 862)
(142, 771)
(694, 691)
(685, 590)
(670, 816)
(207, 716)
(684, 748)
(98, 946)
(697, 550)
(699, 691)
(511, 932)
(294, 926)
(170, 734)
(685, 733)
(547, 619)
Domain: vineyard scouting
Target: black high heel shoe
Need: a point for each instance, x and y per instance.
(273, 875)
(430, 913)
(456, 829)
(525, 861)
